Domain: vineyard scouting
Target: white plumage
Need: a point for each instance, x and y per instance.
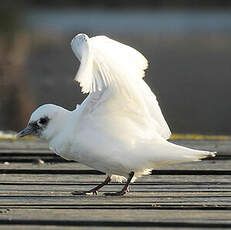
(119, 129)
(112, 67)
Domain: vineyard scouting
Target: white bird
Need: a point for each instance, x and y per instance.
(119, 128)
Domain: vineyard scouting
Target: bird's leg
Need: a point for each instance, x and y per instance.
(93, 191)
(124, 189)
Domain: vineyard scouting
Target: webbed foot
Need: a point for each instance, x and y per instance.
(93, 191)
(82, 193)
(121, 193)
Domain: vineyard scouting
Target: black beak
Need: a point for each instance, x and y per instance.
(27, 131)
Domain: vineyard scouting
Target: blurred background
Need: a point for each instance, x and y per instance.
(187, 43)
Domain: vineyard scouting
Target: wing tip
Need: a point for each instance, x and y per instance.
(207, 154)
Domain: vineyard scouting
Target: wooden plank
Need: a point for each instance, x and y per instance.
(22, 144)
(200, 165)
(97, 223)
(35, 196)
(208, 167)
(95, 172)
(201, 194)
(99, 178)
(29, 157)
(222, 146)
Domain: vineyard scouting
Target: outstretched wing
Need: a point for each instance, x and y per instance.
(105, 62)
(112, 73)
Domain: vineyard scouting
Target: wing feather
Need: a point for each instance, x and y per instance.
(108, 64)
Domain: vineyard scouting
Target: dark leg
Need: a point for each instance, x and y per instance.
(93, 191)
(124, 189)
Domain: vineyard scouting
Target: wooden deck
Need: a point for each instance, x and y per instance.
(36, 186)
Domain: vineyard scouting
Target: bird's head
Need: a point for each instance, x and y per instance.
(45, 122)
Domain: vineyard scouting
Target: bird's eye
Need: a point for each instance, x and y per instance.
(43, 121)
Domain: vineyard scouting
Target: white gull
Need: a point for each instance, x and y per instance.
(119, 128)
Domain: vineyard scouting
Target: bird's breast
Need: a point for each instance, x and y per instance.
(64, 149)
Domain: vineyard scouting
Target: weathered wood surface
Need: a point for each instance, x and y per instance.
(36, 186)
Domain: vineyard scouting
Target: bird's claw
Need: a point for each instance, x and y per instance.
(81, 193)
(114, 193)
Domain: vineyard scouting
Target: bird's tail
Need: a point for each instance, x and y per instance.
(171, 153)
(199, 155)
